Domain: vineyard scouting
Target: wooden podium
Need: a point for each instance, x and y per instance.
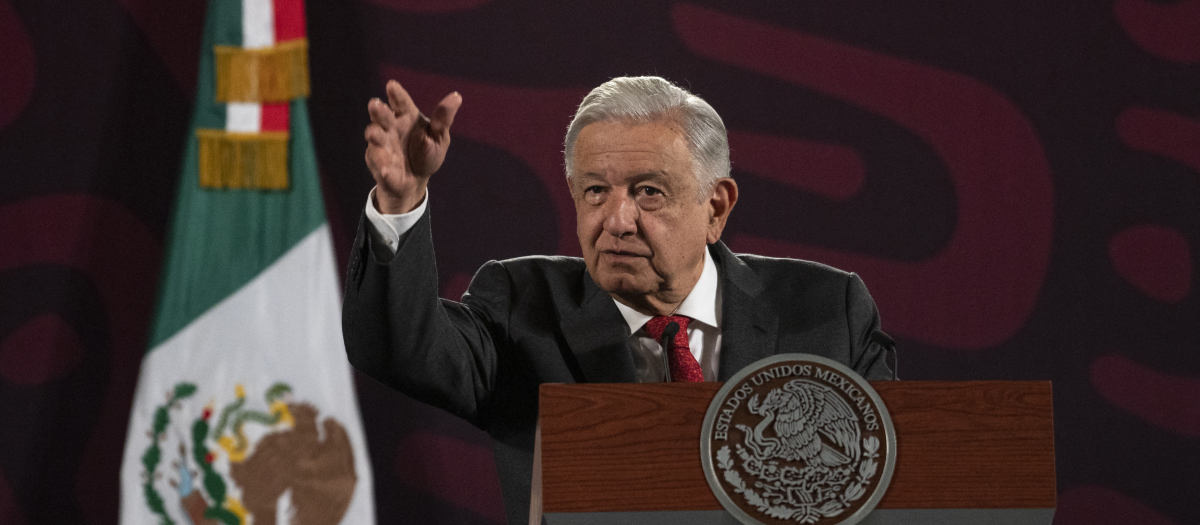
(978, 452)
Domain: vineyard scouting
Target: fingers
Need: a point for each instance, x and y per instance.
(401, 140)
(381, 114)
(375, 135)
(443, 116)
(401, 104)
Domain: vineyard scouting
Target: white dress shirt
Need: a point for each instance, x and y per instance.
(702, 305)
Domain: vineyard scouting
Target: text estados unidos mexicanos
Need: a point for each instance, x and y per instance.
(721, 429)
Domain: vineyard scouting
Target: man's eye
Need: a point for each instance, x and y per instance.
(594, 194)
(649, 191)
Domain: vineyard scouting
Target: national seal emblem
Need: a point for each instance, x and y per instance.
(798, 438)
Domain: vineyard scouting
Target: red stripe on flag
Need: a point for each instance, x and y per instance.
(275, 117)
(289, 19)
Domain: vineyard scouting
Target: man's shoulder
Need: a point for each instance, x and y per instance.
(543, 263)
(773, 268)
(531, 269)
(797, 289)
(786, 281)
(531, 280)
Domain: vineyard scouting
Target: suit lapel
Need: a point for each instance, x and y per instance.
(599, 336)
(748, 326)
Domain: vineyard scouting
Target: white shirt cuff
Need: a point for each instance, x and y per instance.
(390, 229)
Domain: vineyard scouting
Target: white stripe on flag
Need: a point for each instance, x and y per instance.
(243, 117)
(258, 24)
(258, 31)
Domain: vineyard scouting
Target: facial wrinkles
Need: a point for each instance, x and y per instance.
(622, 160)
(630, 229)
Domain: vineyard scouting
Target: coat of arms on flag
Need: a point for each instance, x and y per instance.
(285, 470)
(245, 409)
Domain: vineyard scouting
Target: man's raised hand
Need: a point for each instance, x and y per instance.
(404, 147)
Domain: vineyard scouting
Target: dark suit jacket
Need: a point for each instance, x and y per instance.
(537, 320)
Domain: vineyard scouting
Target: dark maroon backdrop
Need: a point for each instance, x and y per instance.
(1018, 183)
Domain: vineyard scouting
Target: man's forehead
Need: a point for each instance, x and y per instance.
(649, 144)
(668, 174)
(633, 133)
(631, 177)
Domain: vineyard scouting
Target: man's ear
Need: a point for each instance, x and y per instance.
(724, 197)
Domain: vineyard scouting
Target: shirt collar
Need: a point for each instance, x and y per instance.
(700, 304)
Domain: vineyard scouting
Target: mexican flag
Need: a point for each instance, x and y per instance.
(245, 408)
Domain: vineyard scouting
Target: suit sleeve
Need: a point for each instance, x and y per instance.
(400, 333)
(869, 345)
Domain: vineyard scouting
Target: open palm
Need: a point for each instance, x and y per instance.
(404, 147)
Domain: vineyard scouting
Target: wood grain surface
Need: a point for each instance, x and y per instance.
(622, 447)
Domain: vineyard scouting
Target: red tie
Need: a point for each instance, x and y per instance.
(684, 368)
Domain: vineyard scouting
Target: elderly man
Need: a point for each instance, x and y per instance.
(648, 167)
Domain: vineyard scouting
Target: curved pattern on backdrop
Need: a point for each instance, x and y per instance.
(58, 231)
(17, 75)
(832, 171)
(172, 32)
(1001, 242)
(1163, 400)
(1101, 506)
(1155, 259)
(1168, 31)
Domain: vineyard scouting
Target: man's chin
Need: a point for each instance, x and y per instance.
(623, 284)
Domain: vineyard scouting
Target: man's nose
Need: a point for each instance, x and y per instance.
(621, 214)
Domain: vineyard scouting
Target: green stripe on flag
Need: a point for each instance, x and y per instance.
(221, 239)
(222, 27)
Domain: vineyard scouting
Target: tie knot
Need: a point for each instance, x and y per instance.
(656, 325)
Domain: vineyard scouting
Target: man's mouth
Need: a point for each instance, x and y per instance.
(622, 255)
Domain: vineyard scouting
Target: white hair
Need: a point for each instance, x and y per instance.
(639, 100)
